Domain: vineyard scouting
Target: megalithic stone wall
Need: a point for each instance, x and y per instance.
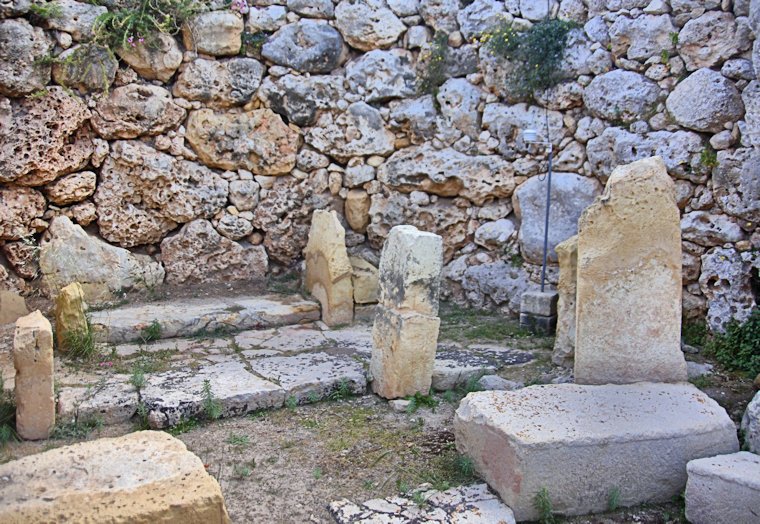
(628, 303)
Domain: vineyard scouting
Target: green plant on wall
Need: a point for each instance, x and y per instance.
(535, 54)
(434, 63)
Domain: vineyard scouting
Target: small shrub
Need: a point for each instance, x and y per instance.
(673, 37)
(142, 417)
(317, 473)
(342, 391)
(664, 56)
(543, 504)
(46, 10)
(78, 429)
(212, 408)
(613, 499)
(434, 60)
(694, 333)
(183, 426)
(238, 440)
(708, 158)
(151, 332)
(137, 378)
(291, 402)
(738, 348)
(253, 42)
(419, 400)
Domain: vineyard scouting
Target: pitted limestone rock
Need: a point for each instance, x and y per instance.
(216, 33)
(22, 47)
(70, 321)
(19, 206)
(368, 25)
(328, 269)
(307, 46)
(219, 83)
(135, 110)
(629, 280)
(156, 62)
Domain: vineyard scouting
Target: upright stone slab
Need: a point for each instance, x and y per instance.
(564, 339)
(405, 333)
(628, 326)
(724, 489)
(328, 269)
(33, 359)
(144, 477)
(70, 319)
(581, 442)
(12, 307)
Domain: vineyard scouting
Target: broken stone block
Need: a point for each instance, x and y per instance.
(33, 359)
(403, 352)
(628, 326)
(70, 319)
(328, 269)
(364, 280)
(410, 270)
(538, 311)
(724, 489)
(112, 402)
(12, 307)
(579, 442)
(564, 338)
(147, 476)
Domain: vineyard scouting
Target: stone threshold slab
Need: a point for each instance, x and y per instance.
(192, 317)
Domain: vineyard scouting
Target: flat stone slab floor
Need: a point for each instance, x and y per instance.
(471, 504)
(246, 372)
(582, 443)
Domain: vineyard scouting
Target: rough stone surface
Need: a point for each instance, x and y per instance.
(22, 46)
(480, 16)
(12, 307)
(68, 254)
(367, 24)
(642, 37)
(70, 319)
(18, 207)
(114, 401)
(257, 140)
(300, 100)
(629, 282)
(621, 96)
(382, 75)
(709, 230)
(72, 188)
(33, 360)
(220, 84)
(75, 18)
(136, 110)
(216, 33)
(726, 282)
(358, 131)
(45, 139)
(307, 46)
(157, 62)
(199, 254)
(143, 194)
(723, 489)
(564, 339)
(571, 194)
(705, 101)
(711, 39)
(736, 186)
(86, 68)
(141, 477)
(364, 278)
(751, 424)
(328, 269)
(638, 436)
(357, 208)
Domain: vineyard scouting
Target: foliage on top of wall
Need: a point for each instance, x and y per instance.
(140, 21)
(434, 74)
(536, 54)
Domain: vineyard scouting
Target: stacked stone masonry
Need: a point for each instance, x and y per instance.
(202, 157)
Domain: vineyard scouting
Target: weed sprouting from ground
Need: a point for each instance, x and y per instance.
(238, 440)
(77, 429)
(543, 504)
(317, 473)
(419, 400)
(142, 416)
(212, 408)
(137, 377)
(694, 332)
(183, 426)
(342, 391)
(291, 402)
(738, 348)
(613, 499)
(80, 344)
(7, 416)
(151, 332)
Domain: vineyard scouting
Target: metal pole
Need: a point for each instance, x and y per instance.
(546, 219)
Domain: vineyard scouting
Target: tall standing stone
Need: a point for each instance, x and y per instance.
(328, 268)
(33, 359)
(70, 318)
(405, 333)
(628, 326)
(564, 339)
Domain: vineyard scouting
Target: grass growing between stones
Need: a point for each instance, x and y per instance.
(469, 325)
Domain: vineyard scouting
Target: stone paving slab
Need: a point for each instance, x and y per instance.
(580, 442)
(465, 504)
(312, 376)
(110, 402)
(178, 394)
(202, 315)
(453, 367)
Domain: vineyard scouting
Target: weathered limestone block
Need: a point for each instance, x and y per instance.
(219, 84)
(751, 424)
(726, 282)
(71, 188)
(68, 254)
(33, 360)
(143, 477)
(300, 99)
(75, 18)
(410, 270)
(357, 209)
(629, 280)
(135, 110)
(711, 39)
(368, 25)
(579, 442)
(403, 352)
(22, 46)
(307, 46)
(156, 62)
(564, 339)
(12, 307)
(705, 101)
(328, 269)
(365, 281)
(86, 67)
(19, 206)
(70, 319)
(216, 33)
(723, 489)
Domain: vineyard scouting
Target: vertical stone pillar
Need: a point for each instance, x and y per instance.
(564, 340)
(405, 333)
(328, 269)
(628, 326)
(33, 359)
(70, 316)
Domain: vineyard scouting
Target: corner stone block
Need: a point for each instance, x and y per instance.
(141, 478)
(410, 270)
(543, 303)
(564, 339)
(403, 352)
(579, 442)
(724, 489)
(33, 359)
(69, 314)
(328, 268)
(628, 326)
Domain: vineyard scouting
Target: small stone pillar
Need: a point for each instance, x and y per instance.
(405, 333)
(70, 318)
(33, 359)
(538, 311)
(328, 269)
(564, 339)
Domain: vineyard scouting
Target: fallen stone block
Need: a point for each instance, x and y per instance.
(328, 269)
(144, 477)
(403, 352)
(33, 360)
(581, 442)
(724, 489)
